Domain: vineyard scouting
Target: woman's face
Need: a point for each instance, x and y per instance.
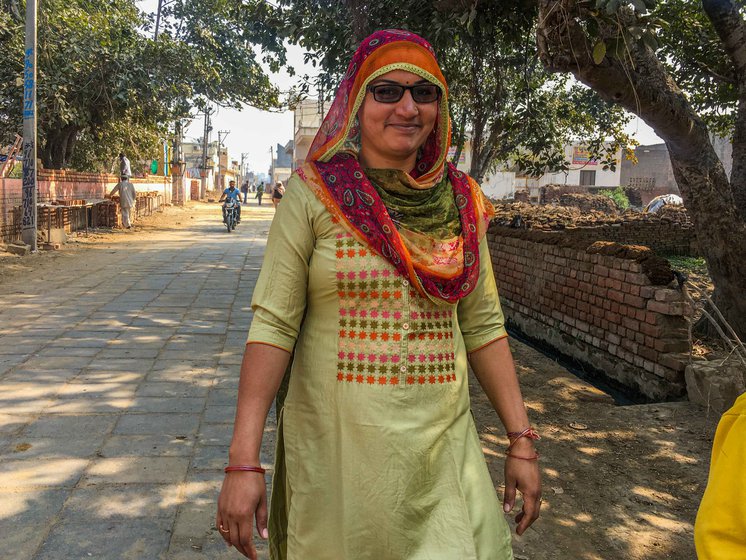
(391, 133)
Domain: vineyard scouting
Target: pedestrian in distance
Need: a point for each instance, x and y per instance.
(245, 190)
(124, 165)
(127, 198)
(277, 193)
(377, 291)
(260, 193)
(232, 193)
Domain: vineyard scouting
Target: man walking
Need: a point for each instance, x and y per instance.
(245, 190)
(124, 165)
(127, 196)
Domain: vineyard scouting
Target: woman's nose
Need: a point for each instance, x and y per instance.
(407, 106)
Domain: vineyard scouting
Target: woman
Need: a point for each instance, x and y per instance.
(377, 280)
(277, 193)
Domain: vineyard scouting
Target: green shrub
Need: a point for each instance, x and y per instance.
(618, 196)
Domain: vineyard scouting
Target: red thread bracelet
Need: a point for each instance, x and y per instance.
(245, 468)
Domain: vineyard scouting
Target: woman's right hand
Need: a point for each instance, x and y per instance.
(243, 498)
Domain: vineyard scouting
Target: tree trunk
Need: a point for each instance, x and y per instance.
(645, 89)
(59, 146)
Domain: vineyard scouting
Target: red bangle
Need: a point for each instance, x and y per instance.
(245, 468)
(534, 458)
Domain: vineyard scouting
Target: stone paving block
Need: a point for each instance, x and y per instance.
(96, 390)
(120, 470)
(121, 365)
(172, 370)
(137, 353)
(218, 414)
(25, 406)
(67, 341)
(150, 320)
(210, 457)
(60, 351)
(124, 378)
(23, 473)
(171, 424)
(77, 426)
(9, 361)
(155, 445)
(49, 447)
(88, 405)
(222, 397)
(51, 377)
(123, 502)
(195, 388)
(168, 404)
(16, 345)
(56, 363)
(215, 434)
(11, 423)
(109, 540)
(24, 518)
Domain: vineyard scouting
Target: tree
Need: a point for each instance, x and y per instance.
(632, 57)
(104, 85)
(511, 108)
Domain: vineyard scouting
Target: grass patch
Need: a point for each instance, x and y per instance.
(696, 265)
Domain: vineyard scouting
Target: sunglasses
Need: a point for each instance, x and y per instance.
(392, 93)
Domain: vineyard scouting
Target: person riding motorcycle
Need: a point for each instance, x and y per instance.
(235, 194)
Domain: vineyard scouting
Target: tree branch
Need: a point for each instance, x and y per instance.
(730, 27)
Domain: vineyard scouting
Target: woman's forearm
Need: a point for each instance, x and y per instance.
(261, 374)
(494, 368)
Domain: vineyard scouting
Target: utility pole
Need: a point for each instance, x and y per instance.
(244, 155)
(177, 167)
(205, 142)
(272, 168)
(220, 145)
(158, 19)
(28, 222)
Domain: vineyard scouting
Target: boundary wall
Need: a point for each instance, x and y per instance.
(606, 305)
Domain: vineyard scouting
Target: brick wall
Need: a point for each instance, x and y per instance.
(662, 236)
(607, 306)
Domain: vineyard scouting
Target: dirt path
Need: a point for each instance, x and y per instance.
(620, 483)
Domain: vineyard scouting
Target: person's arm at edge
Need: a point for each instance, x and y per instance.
(494, 369)
(262, 370)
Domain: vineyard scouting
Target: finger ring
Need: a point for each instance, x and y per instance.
(223, 529)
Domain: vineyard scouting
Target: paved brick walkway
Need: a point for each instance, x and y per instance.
(117, 393)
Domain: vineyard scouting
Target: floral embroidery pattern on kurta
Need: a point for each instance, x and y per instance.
(388, 333)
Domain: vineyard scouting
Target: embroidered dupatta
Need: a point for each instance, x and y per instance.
(441, 269)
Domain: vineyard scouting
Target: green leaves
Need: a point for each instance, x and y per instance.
(599, 52)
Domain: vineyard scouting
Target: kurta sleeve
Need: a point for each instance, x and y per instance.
(480, 316)
(279, 299)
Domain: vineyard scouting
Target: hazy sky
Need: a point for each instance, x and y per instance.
(255, 131)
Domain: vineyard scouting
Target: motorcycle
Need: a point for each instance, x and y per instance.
(231, 214)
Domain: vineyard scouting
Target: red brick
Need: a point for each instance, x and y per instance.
(668, 295)
(616, 296)
(634, 301)
(636, 278)
(647, 292)
(669, 307)
(676, 362)
(668, 345)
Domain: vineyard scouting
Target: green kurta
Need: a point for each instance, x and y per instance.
(377, 454)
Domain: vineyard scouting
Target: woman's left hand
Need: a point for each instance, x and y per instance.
(523, 475)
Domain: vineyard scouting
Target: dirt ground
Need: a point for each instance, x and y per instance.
(620, 482)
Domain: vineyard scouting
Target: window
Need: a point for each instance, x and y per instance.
(588, 178)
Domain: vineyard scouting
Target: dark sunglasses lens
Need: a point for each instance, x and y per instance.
(388, 94)
(425, 94)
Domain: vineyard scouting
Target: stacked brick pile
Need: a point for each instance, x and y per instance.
(609, 306)
(668, 233)
(589, 202)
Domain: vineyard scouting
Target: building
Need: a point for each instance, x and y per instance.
(307, 119)
(282, 162)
